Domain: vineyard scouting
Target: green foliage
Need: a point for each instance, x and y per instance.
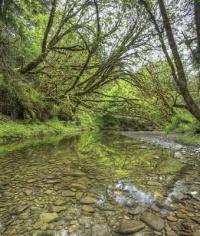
(22, 130)
(182, 122)
(84, 65)
(88, 120)
(21, 101)
(110, 121)
(29, 143)
(189, 140)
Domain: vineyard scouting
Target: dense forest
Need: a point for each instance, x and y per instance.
(99, 117)
(116, 63)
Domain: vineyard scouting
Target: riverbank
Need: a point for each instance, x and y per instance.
(19, 135)
(17, 131)
(174, 141)
(16, 135)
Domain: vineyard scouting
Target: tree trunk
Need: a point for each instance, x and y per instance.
(197, 23)
(182, 81)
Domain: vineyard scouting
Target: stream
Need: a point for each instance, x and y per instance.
(100, 184)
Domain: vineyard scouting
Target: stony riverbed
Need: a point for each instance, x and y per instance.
(100, 184)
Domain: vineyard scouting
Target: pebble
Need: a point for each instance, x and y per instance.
(68, 193)
(130, 227)
(28, 192)
(49, 192)
(171, 218)
(88, 200)
(58, 208)
(155, 208)
(196, 233)
(153, 221)
(88, 208)
(178, 155)
(135, 211)
(47, 217)
(59, 202)
(31, 181)
(100, 230)
(181, 215)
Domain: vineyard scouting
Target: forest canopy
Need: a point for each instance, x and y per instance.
(133, 59)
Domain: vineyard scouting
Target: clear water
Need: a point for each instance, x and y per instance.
(86, 183)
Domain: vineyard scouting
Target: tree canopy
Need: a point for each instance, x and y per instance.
(125, 58)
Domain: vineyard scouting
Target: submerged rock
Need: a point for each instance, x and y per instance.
(58, 208)
(178, 197)
(3, 184)
(49, 192)
(21, 209)
(153, 221)
(197, 233)
(156, 158)
(30, 181)
(68, 193)
(178, 155)
(136, 211)
(88, 208)
(130, 227)
(28, 192)
(100, 229)
(59, 202)
(48, 217)
(78, 186)
(88, 200)
(171, 218)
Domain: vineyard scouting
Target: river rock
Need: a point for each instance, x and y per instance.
(88, 200)
(169, 231)
(171, 218)
(30, 181)
(155, 208)
(79, 195)
(156, 158)
(178, 147)
(68, 193)
(85, 221)
(2, 183)
(153, 221)
(197, 233)
(77, 174)
(59, 202)
(100, 229)
(197, 150)
(49, 192)
(135, 211)
(130, 227)
(178, 155)
(181, 215)
(47, 217)
(24, 216)
(78, 186)
(21, 209)
(58, 208)
(141, 233)
(178, 197)
(154, 183)
(88, 208)
(28, 192)
(52, 181)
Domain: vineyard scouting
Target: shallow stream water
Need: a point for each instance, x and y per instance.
(91, 183)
